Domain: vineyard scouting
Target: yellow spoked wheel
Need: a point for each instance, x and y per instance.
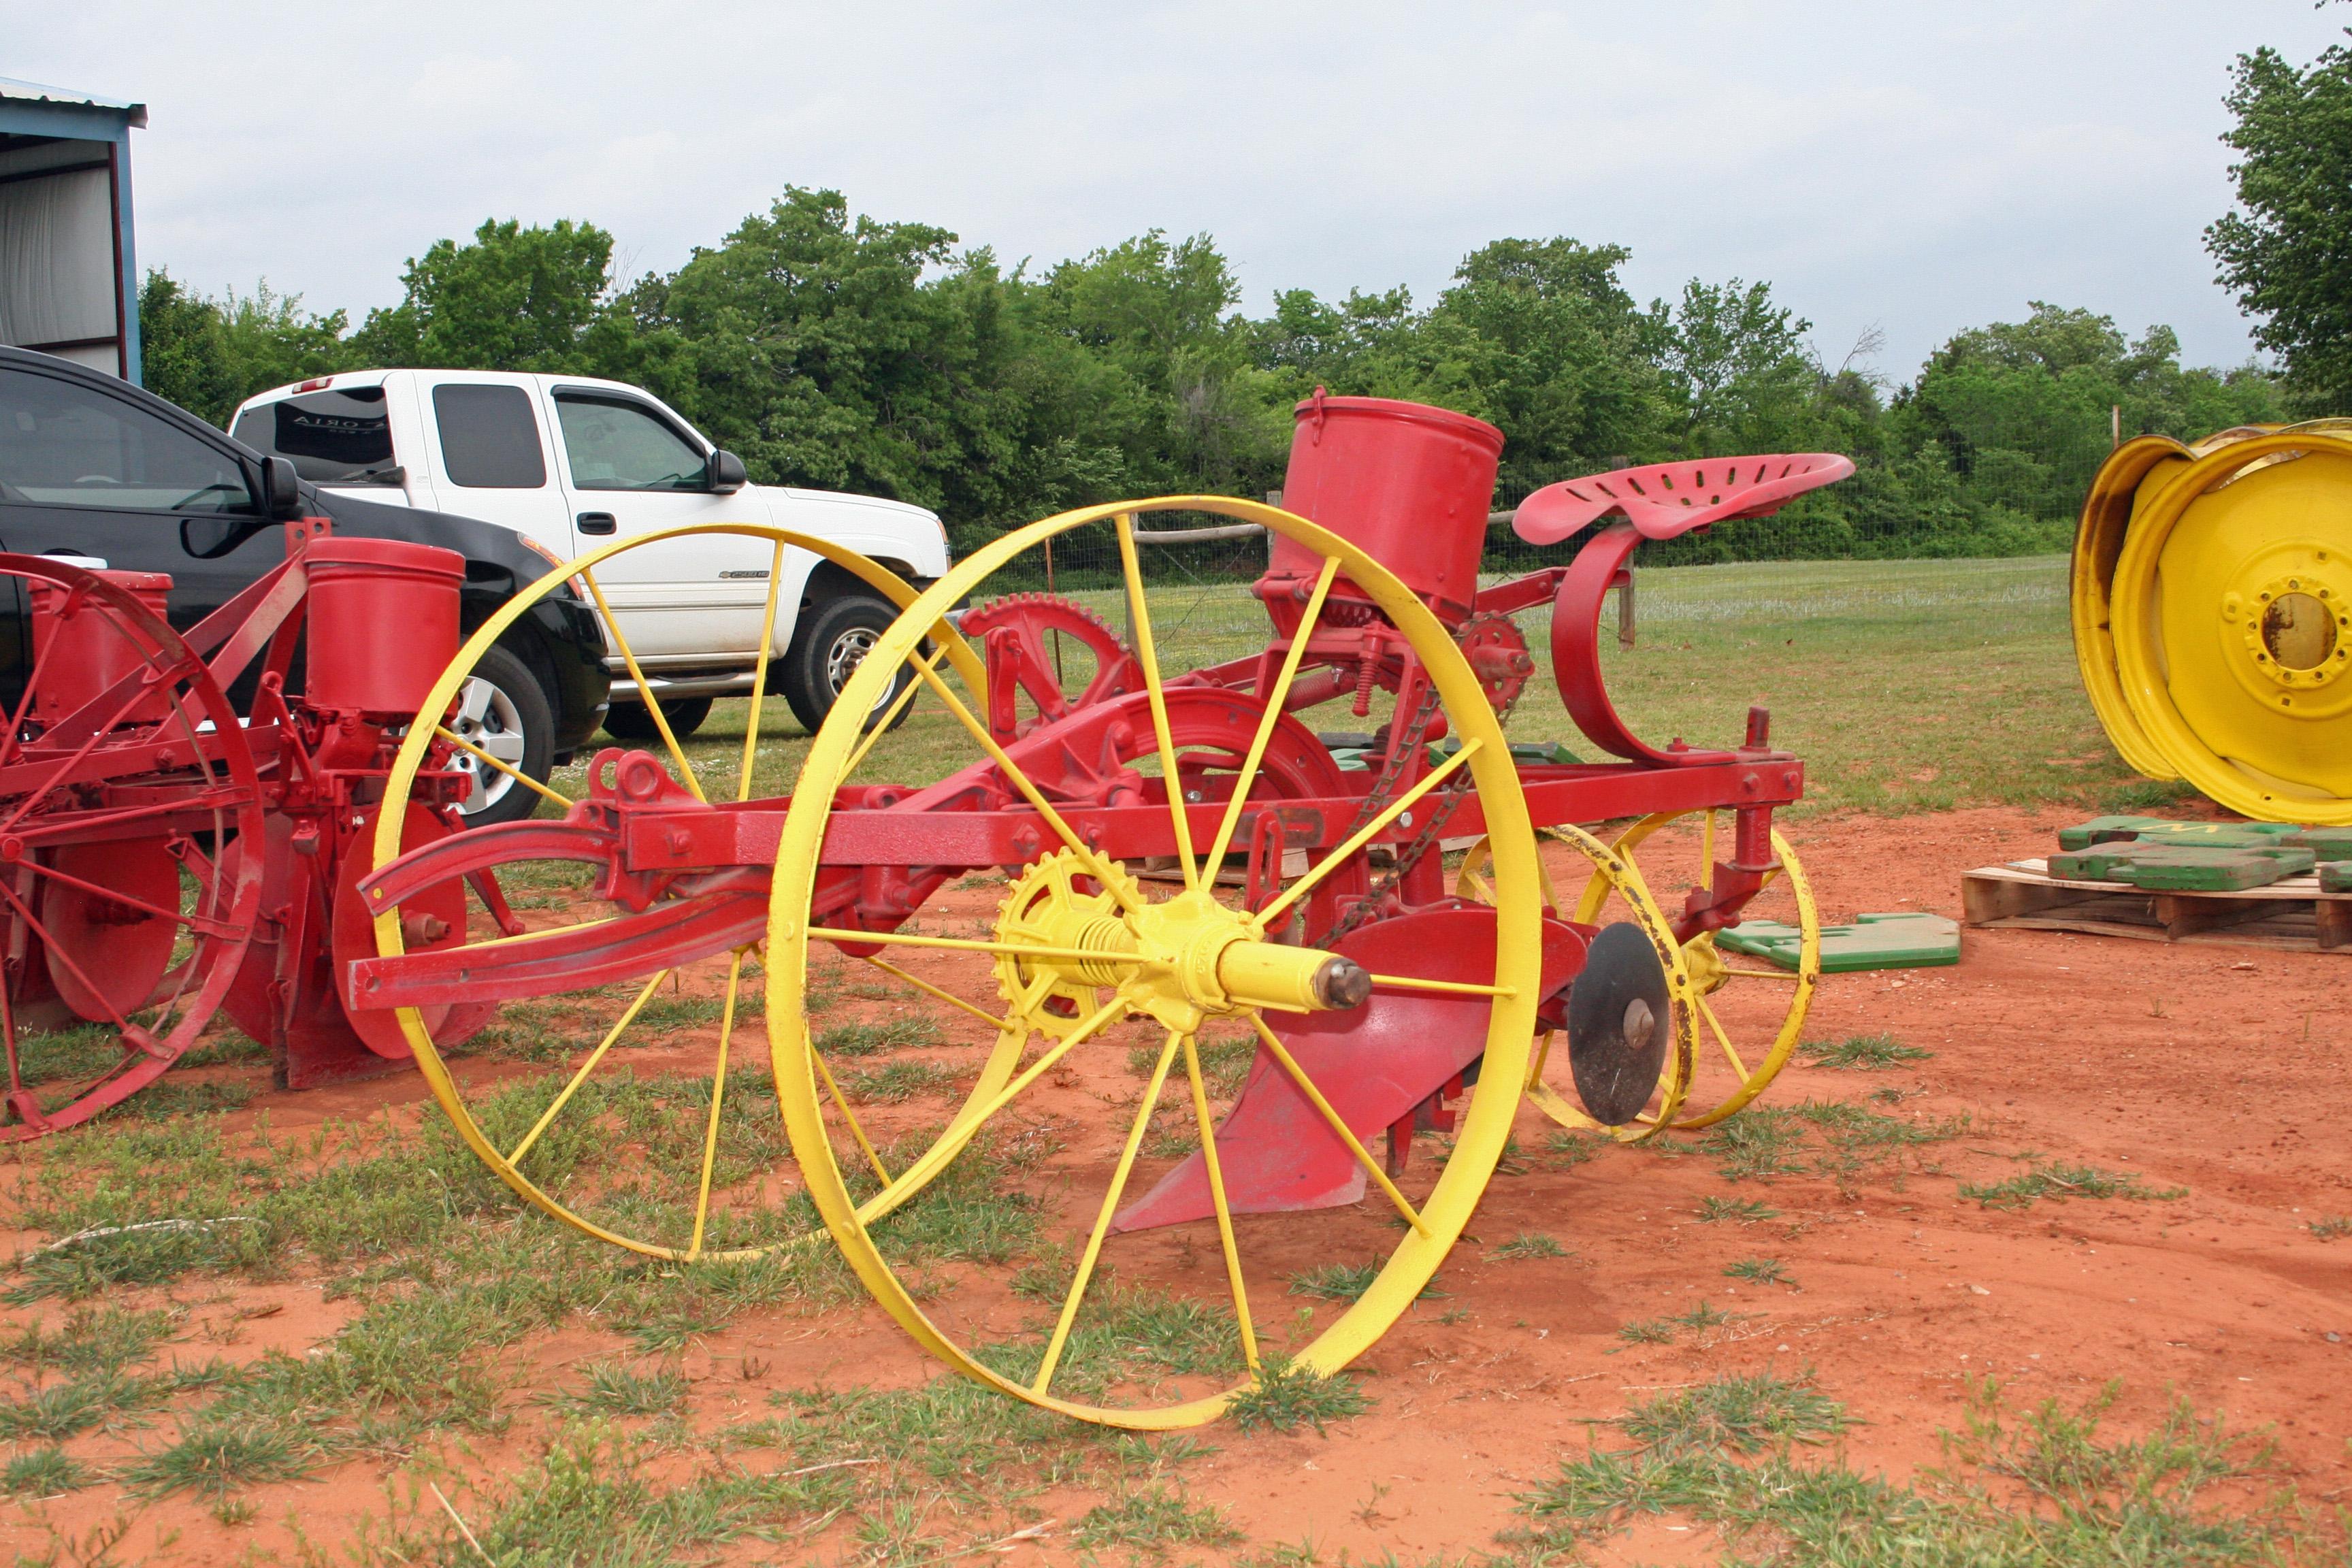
(2231, 614)
(613, 1095)
(1623, 898)
(1097, 1230)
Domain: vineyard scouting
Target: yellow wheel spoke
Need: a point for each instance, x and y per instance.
(1706, 852)
(1721, 1037)
(949, 997)
(1273, 699)
(1020, 781)
(969, 1121)
(841, 1102)
(1217, 1194)
(963, 944)
(586, 1068)
(717, 1096)
(1102, 1219)
(509, 769)
(890, 715)
(1457, 987)
(1282, 1057)
(1267, 917)
(759, 674)
(1542, 1055)
(645, 692)
(1149, 658)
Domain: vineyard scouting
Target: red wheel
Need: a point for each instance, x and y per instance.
(124, 774)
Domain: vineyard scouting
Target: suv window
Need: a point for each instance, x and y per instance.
(331, 438)
(488, 439)
(62, 443)
(616, 445)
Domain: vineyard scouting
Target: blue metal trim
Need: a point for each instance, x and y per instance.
(80, 123)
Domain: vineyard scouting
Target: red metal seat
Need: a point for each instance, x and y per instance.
(1663, 500)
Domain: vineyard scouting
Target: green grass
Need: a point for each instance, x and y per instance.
(1154, 1519)
(63, 1410)
(106, 1338)
(2046, 1490)
(894, 1083)
(43, 1472)
(1866, 1052)
(1647, 1331)
(1531, 1244)
(2335, 1227)
(1287, 1397)
(221, 1456)
(1714, 1210)
(1758, 1270)
(615, 1390)
(2057, 1181)
(891, 1034)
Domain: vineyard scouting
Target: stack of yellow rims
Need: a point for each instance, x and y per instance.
(2213, 606)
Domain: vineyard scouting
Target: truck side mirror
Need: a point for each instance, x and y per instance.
(724, 473)
(281, 490)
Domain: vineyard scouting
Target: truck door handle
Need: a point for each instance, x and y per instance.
(595, 523)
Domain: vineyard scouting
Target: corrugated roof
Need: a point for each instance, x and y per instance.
(65, 97)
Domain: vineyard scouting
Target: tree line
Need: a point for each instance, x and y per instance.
(841, 351)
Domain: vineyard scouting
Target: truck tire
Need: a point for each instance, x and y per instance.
(628, 718)
(502, 710)
(832, 637)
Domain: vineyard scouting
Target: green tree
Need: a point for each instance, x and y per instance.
(513, 299)
(209, 355)
(1741, 366)
(2287, 252)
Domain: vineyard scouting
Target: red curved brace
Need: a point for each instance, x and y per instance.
(485, 849)
(1663, 500)
(1576, 652)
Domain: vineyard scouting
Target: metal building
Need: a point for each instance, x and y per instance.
(69, 279)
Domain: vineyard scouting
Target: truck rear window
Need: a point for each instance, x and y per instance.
(331, 438)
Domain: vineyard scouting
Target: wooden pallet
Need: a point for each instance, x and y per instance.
(2292, 913)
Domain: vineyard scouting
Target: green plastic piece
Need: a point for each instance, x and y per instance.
(2220, 835)
(1904, 940)
(2184, 869)
(2336, 876)
(1550, 754)
(2326, 843)
(2100, 829)
(2099, 863)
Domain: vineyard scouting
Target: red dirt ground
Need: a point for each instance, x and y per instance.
(2214, 1068)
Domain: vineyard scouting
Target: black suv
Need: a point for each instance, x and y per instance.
(91, 465)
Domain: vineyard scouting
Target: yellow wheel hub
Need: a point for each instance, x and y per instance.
(1707, 968)
(1181, 961)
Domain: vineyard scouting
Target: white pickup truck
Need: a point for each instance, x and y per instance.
(569, 463)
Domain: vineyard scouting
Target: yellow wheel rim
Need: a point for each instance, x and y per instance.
(511, 1154)
(1150, 988)
(2232, 609)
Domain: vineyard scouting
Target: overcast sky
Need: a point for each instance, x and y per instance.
(1916, 168)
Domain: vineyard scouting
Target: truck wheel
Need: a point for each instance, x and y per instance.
(826, 645)
(502, 710)
(628, 720)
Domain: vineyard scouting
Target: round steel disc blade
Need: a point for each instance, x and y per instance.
(1617, 1033)
(106, 954)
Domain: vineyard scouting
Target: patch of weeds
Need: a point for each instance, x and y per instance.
(64, 1409)
(1224, 1064)
(2058, 1181)
(233, 1512)
(1712, 1210)
(2335, 1227)
(1852, 1127)
(1155, 1518)
(614, 1390)
(889, 1035)
(1287, 1396)
(1761, 1142)
(1747, 1414)
(1132, 1335)
(1531, 1244)
(1702, 1316)
(894, 1083)
(221, 1455)
(1761, 1270)
(2046, 1489)
(173, 1098)
(110, 1338)
(1647, 1331)
(44, 1472)
(1566, 1149)
(1346, 1282)
(1868, 1053)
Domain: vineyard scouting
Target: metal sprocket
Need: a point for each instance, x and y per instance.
(1018, 634)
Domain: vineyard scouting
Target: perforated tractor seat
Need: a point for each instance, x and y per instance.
(1663, 500)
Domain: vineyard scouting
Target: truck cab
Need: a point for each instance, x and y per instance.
(571, 463)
